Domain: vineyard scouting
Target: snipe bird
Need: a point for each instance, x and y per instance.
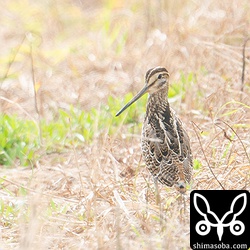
(165, 143)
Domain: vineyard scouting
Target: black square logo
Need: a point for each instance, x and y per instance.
(220, 219)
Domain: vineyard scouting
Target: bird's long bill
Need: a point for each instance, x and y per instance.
(135, 98)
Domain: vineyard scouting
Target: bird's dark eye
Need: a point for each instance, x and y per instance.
(159, 76)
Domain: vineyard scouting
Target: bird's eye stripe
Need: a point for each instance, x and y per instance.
(154, 71)
(151, 84)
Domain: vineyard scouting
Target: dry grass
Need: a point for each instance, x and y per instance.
(99, 195)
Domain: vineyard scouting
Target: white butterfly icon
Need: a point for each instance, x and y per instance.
(203, 227)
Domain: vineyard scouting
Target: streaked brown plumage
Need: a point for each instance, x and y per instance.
(165, 144)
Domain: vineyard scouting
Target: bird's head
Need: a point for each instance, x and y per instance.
(156, 80)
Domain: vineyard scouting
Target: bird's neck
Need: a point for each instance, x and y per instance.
(158, 103)
(158, 97)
